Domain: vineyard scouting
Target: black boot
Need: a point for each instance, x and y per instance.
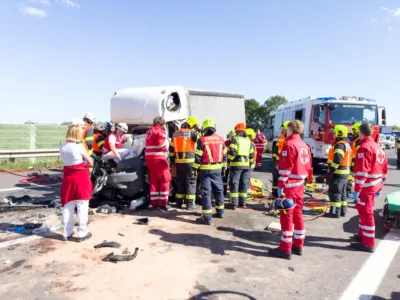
(203, 221)
(297, 250)
(361, 247)
(356, 237)
(242, 205)
(277, 252)
(179, 203)
(218, 215)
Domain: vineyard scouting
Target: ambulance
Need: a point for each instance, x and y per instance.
(320, 115)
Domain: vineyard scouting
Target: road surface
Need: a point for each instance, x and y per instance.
(180, 259)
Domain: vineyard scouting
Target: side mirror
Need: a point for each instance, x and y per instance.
(384, 117)
(383, 121)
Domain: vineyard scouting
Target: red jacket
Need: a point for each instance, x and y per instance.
(227, 143)
(371, 167)
(259, 141)
(119, 141)
(156, 143)
(294, 164)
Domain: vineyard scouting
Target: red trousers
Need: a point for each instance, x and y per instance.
(366, 228)
(290, 217)
(260, 151)
(160, 178)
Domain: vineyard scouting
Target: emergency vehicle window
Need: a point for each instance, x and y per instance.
(173, 102)
(288, 116)
(298, 115)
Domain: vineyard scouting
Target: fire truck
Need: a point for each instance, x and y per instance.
(320, 115)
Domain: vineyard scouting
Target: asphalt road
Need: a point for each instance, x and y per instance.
(328, 270)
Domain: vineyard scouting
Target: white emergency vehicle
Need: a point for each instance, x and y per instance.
(320, 115)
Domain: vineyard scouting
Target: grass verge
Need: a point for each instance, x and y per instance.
(22, 164)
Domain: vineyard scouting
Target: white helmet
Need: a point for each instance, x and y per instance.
(100, 126)
(122, 126)
(89, 117)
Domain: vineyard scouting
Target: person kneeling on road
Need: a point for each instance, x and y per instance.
(294, 166)
(339, 161)
(76, 187)
(114, 141)
(210, 160)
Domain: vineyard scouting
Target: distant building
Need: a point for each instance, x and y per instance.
(66, 123)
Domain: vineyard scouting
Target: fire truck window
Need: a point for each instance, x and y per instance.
(298, 115)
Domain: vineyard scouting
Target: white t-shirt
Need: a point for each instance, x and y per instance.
(71, 153)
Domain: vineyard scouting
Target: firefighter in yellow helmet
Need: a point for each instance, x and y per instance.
(276, 152)
(182, 154)
(339, 161)
(210, 160)
(355, 144)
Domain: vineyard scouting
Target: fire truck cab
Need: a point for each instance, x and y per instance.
(320, 115)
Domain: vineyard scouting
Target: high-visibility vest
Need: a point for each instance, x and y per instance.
(184, 146)
(98, 142)
(344, 167)
(280, 143)
(213, 152)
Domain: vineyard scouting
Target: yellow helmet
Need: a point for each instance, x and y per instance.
(231, 133)
(285, 124)
(208, 123)
(192, 121)
(356, 128)
(341, 131)
(250, 132)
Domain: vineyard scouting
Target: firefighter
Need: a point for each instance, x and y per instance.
(355, 144)
(252, 136)
(397, 150)
(88, 132)
(114, 141)
(259, 142)
(225, 175)
(276, 152)
(294, 166)
(210, 161)
(371, 169)
(99, 137)
(240, 157)
(339, 161)
(181, 151)
(157, 164)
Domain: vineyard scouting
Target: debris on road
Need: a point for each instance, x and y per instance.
(106, 209)
(274, 227)
(143, 221)
(116, 258)
(108, 244)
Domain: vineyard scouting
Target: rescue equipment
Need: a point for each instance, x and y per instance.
(391, 211)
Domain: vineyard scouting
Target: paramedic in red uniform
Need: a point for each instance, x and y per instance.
(370, 170)
(259, 142)
(157, 164)
(114, 141)
(294, 166)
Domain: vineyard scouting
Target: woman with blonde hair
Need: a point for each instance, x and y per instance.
(76, 188)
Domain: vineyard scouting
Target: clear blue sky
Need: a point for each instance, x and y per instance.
(61, 58)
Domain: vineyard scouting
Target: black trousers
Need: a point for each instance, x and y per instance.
(398, 158)
(275, 177)
(239, 183)
(211, 183)
(337, 193)
(185, 184)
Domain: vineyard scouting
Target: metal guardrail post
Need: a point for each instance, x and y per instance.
(32, 140)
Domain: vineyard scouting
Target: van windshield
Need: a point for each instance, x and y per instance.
(352, 113)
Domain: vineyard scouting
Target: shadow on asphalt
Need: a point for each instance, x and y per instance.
(208, 295)
(253, 236)
(173, 215)
(394, 296)
(215, 245)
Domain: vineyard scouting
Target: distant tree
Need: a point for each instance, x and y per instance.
(269, 105)
(253, 114)
(395, 127)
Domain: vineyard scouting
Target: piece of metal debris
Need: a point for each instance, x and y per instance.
(143, 221)
(116, 258)
(108, 244)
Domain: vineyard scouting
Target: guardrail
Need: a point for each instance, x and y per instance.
(10, 154)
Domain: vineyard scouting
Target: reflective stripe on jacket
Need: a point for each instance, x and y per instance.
(183, 145)
(241, 151)
(294, 164)
(156, 143)
(98, 143)
(371, 167)
(354, 147)
(339, 157)
(210, 153)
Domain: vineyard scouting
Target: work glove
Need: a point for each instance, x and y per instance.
(280, 193)
(356, 196)
(121, 159)
(378, 194)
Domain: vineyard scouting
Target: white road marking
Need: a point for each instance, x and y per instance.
(29, 187)
(26, 239)
(368, 279)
